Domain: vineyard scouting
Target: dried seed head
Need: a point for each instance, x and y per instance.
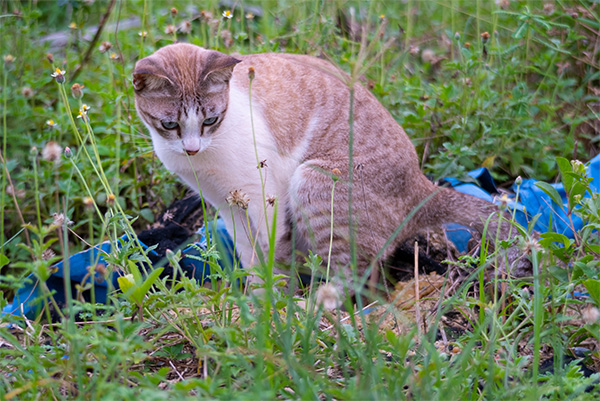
(52, 151)
(173, 11)
(251, 73)
(27, 92)
(170, 29)
(238, 198)
(328, 296)
(271, 200)
(104, 47)
(99, 272)
(206, 15)
(590, 315)
(110, 199)
(485, 37)
(9, 59)
(50, 58)
(59, 219)
(185, 27)
(549, 8)
(48, 254)
(19, 193)
(468, 45)
(503, 4)
(88, 203)
(77, 91)
(428, 56)
(414, 50)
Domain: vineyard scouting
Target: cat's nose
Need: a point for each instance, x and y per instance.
(191, 152)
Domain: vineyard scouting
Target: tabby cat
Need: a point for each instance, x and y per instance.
(249, 131)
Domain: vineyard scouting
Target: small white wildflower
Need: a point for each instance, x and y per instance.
(51, 123)
(227, 14)
(59, 75)
(143, 34)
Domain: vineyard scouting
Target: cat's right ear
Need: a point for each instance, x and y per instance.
(149, 80)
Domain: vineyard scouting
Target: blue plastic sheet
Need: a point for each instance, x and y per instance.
(532, 201)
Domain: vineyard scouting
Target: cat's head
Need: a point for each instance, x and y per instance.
(181, 94)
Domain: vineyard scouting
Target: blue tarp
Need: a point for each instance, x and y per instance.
(532, 201)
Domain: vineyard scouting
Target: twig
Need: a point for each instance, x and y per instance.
(92, 45)
(417, 295)
(17, 204)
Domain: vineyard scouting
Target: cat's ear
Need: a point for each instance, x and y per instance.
(150, 80)
(217, 71)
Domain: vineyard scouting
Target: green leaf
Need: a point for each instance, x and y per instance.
(550, 191)
(521, 30)
(150, 280)
(593, 288)
(564, 166)
(559, 273)
(3, 260)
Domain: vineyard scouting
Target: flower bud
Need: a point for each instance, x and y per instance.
(251, 73)
(77, 91)
(68, 153)
(50, 58)
(518, 181)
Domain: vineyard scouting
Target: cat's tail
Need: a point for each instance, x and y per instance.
(446, 205)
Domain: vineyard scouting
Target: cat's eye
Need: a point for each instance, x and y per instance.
(169, 124)
(210, 120)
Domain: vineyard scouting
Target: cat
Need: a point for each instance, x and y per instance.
(249, 130)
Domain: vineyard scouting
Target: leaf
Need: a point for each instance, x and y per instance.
(147, 214)
(3, 260)
(521, 31)
(559, 273)
(150, 280)
(565, 168)
(550, 191)
(593, 288)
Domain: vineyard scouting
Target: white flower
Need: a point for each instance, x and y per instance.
(227, 14)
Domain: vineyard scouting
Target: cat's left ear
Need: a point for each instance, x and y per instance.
(217, 71)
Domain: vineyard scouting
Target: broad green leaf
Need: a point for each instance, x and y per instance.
(150, 280)
(593, 288)
(564, 167)
(550, 191)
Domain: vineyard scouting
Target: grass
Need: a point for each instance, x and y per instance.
(521, 101)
